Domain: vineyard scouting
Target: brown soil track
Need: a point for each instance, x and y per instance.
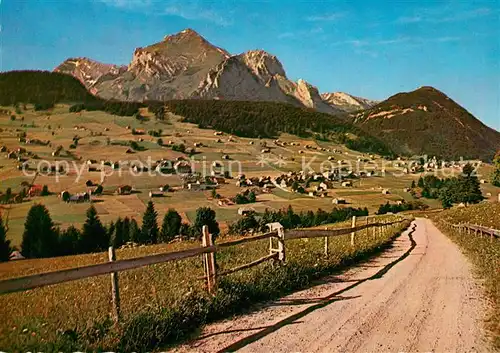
(417, 296)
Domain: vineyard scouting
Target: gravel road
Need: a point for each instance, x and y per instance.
(418, 296)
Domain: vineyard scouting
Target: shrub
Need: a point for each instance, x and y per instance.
(206, 216)
(171, 225)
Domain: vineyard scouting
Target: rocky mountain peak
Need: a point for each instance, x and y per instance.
(347, 102)
(262, 64)
(186, 35)
(88, 71)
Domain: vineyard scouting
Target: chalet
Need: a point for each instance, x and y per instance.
(218, 133)
(124, 190)
(251, 143)
(81, 197)
(182, 167)
(226, 156)
(312, 193)
(339, 201)
(198, 144)
(16, 255)
(385, 192)
(155, 194)
(199, 186)
(346, 184)
(129, 151)
(265, 150)
(35, 190)
(243, 211)
(483, 181)
(218, 180)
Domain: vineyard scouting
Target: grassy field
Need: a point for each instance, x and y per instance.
(484, 253)
(96, 129)
(75, 315)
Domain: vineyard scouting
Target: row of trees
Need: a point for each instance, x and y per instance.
(462, 189)
(404, 206)
(245, 197)
(290, 219)
(41, 238)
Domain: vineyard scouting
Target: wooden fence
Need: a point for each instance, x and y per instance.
(277, 251)
(476, 230)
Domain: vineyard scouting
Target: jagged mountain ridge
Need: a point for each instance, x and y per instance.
(348, 102)
(185, 65)
(426, 121)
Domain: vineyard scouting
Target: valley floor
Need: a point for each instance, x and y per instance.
(419, 296)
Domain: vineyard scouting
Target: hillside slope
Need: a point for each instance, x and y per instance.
(269, 119)
(41, 87)
(426, 121)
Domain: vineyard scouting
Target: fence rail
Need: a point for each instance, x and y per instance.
(208, 250)
(476, 229)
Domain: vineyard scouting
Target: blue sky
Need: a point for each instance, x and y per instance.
(371, 49)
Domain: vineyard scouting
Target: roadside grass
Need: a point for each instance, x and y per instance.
(161, 304)
(484, 253)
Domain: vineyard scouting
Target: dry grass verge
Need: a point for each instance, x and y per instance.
(484, 253)
(162, 304)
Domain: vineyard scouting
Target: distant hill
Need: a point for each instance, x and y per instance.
(426, 121)
(185, 65)
(41, 87)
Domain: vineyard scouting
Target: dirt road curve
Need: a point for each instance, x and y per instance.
(418, 296)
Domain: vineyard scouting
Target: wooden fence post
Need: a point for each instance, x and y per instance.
(353, 233)
(326, 243)
(276, 226)
(115, 290)
(209, 261)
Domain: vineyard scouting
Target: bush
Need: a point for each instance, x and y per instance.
(206, 216)
(68, 242)
(171, 225)
(76, 108)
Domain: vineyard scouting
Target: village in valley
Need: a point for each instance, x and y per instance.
(65, 159)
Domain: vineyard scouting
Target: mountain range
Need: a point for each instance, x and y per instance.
(249, 94)
(186, 66)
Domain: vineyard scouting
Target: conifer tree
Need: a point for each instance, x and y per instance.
(94, 236)
(39, 237)
(149, 231)
(5, 248)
